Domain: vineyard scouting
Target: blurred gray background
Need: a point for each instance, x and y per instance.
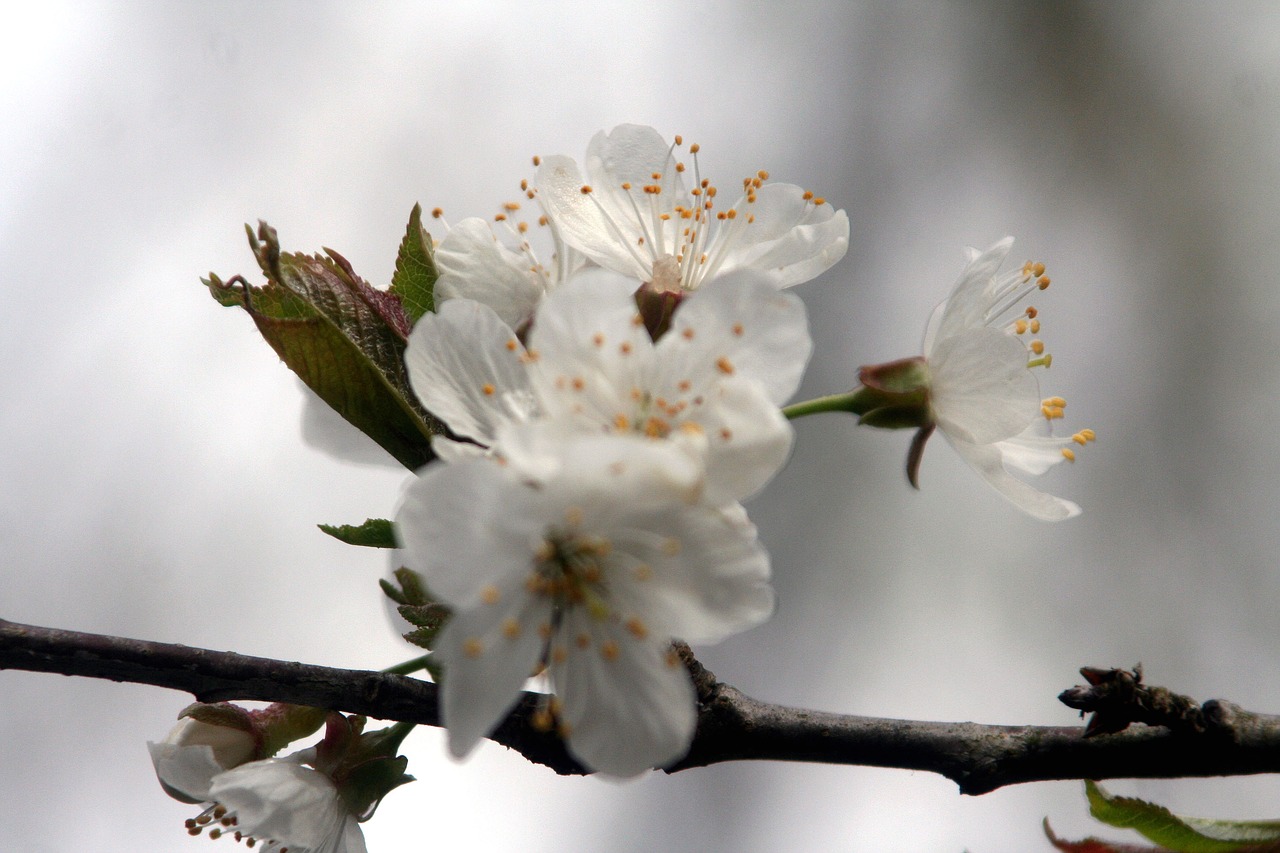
(154, 483)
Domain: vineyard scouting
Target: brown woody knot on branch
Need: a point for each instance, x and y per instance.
(1117, 698)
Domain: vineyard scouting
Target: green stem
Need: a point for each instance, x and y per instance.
(409, 666)
(846, 402)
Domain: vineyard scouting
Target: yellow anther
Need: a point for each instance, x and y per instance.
(1089, 434)
(501, 217)
(472, 647)
(671, 546)
(437, 212)
(684, 385)
(583, 640)
(691, 428)
(579, 383)
(1038, 269)
(738, 329)
(1031, 312)
(586, 189)
(1020, 327)
(573, 516)
(544, 630)
(1042, 282)
(541, 720)
(621, 421)
(672, 660)
(488, 389)
(642, 572)
(1037, 347)
(537, 161)
(1035, 327)
(490, 594)
(625, 347)
(695, 148)
(726, 433)
(819, 200)
(609, 650)
(725, 366)
(510, 628)
(1069, 454)
(511, 206)
(559, 654)
(687, 333)
(1079, 439)
(637, 628)
(1056, 401)
(598, 339)
(762, 175)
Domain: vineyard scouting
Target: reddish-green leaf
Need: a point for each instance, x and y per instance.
(1181, 834)
(342, 337)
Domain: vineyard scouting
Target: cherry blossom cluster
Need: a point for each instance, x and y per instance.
(607, 421)
(607, 412)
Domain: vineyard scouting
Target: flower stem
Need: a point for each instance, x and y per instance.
(409, 666)
(846, 402)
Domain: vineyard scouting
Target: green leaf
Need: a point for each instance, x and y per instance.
(1181, 834)
(374, 533)
(415, 277)
(1095, 845)
(342, 337)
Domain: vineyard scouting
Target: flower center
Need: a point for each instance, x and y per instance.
(659, 220)
(569, 568)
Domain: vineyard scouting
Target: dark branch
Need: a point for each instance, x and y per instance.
(731, 726)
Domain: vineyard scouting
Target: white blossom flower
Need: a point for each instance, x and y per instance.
(283, 805)
(475, 264)
(194, 752)
(633, 214)
(735, 351)
(591, 573)
(982, 392)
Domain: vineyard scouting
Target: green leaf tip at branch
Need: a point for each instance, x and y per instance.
(373, 533)
(1181, 834)
(344, 338)
(415, 277)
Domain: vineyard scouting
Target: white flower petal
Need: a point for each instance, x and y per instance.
(981, 388)
(284, 801)
(465, 526)
(474, 265)
(488, 652)
(184, 772)
(464, 365)
(738, 324)
(715, 584)
(580, 222)
(971, 297)
(988, 461)
(748, 440)
(590, 349)
(628, 702)
(791, 239)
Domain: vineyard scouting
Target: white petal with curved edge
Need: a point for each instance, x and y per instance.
(628, 702)
(981, 389)
(1032, 452)
(184, 772)
(988, 461)
(581, 224)
(739, 324)
(971, 297)
(464, 364)
(464, 526)
(748, 440)
(284, 801)
(488, 652)
(714, 584)
(791, 240)
(590, 349)
(474, 265)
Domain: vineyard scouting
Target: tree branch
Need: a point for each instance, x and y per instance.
(731, 725)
